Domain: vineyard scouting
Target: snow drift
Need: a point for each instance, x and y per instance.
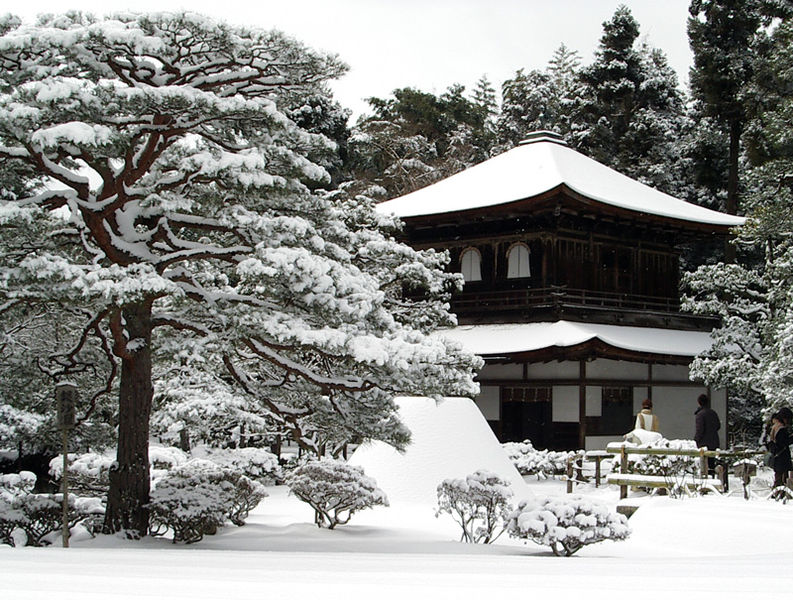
(450, 439)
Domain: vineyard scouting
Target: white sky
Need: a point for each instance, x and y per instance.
(427, 44)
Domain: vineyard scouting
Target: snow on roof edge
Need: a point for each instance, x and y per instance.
(535, 168)
(511, 338)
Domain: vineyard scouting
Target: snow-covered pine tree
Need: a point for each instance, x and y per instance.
(753, 349)
(629, 112)
(727, 38)
(178, 198)
(416, 138)
(529, 103)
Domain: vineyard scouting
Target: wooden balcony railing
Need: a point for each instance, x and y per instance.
(468, 302)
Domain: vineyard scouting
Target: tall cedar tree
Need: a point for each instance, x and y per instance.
(415, 138)
(180, 201)
(629, 112)
(727, 37)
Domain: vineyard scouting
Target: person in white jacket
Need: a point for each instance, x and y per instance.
(646, 419)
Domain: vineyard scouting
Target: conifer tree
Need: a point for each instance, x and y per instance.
(629, 112)
(179, 216)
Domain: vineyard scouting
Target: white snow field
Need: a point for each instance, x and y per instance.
(705, 547)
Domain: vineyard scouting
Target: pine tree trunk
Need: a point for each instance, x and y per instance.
(736, 127)
(129, 478)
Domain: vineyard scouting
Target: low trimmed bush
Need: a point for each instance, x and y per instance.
(530, 461)
(335, 490)
(255, 463)
(566, 524)
(479, 504)
(195, 499)
(40, 516)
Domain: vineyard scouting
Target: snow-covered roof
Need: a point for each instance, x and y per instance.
(537, 166)
(525, 337)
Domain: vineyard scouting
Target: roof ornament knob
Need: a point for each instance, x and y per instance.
(542, 135)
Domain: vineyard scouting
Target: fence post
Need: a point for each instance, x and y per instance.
(623, 471)
(570, 474)
(703, 464)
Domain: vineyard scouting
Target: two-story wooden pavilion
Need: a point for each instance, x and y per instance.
(571, 292)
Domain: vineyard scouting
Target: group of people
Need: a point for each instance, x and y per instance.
(777, 437)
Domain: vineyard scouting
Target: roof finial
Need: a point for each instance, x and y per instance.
(542, 135)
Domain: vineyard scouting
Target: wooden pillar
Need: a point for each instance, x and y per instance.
(582, 404)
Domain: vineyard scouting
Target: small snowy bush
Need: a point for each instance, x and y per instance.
(681, 473)
(88, 473)
(255, 463)
(566, 524)
(40, 516)
(194, 499)
(479, 504)
(16, 484)
(335, 490)
(530, 461)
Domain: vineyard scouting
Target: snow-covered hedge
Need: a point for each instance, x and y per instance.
(479, 504)
(194, 499)
(256, 463)
(566, 524)
(40, 516)
(335, 490)
(88, 473)
(530, 461)
(16, 484)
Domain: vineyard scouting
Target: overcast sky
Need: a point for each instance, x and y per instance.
(427, 44)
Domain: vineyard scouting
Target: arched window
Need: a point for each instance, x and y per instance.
(518, 262)
(471, 265)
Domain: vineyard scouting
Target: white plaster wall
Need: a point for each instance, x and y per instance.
(501, 372)
(489, 402)
(675, 408)
(594, 401)
(670, 373)
(565, 403)
(599, 442)
(603, 368)
(554, 370)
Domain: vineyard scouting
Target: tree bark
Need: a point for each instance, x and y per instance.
(736, 126)
(129, 477)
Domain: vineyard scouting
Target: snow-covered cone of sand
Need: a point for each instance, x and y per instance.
(450, 439)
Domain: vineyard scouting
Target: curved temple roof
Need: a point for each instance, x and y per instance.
(515, 338)
(537, 166)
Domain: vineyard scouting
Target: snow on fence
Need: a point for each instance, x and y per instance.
(698, 481)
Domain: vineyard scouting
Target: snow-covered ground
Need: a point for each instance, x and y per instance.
(709, 547)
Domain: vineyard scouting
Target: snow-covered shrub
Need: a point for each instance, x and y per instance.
(566, 524)
(194, 499)
(479, 504)
(256, 463)
(332, 488)
(681, 473)
(88, 473)
(530, 461)
(164, 458)
(40, 516)
(16, 484)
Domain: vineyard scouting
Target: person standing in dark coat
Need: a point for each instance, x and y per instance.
(778, 445)
(706, 431)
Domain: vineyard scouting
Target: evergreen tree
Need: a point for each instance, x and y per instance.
(528, 103)
(415, 138)
(753, 349)
(727, 37)
(198, 220)
(629, 113)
